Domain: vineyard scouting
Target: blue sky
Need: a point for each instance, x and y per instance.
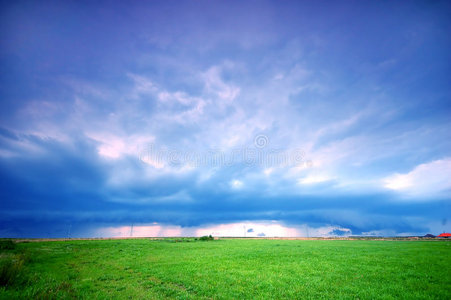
(237, 117)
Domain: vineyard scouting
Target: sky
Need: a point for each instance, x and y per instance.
(231, 118)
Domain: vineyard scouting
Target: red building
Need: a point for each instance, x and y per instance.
(445, 235)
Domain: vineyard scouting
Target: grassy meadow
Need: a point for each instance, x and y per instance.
(225, 269)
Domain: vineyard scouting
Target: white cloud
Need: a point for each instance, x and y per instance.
(268, 171)
(115, 146)
(270, 229)
(216, 85)
(426, 180)
(313, 179)
(193, 106)
(249, 229)
(236, 184)
(143, 85)
(153, 230)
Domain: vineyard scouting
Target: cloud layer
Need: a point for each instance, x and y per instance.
(204, 117)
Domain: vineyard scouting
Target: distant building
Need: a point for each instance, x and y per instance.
(444, 235)
(429, 235)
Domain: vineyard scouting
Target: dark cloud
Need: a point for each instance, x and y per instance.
(61, 185)
(339, 232)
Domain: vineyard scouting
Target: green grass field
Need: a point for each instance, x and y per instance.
(227, 268)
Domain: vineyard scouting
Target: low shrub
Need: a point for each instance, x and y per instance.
(7, 245)
(206, 238)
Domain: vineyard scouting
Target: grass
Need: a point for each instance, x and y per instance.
(228, 268)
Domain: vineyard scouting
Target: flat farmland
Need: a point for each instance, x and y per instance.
(226, 269)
